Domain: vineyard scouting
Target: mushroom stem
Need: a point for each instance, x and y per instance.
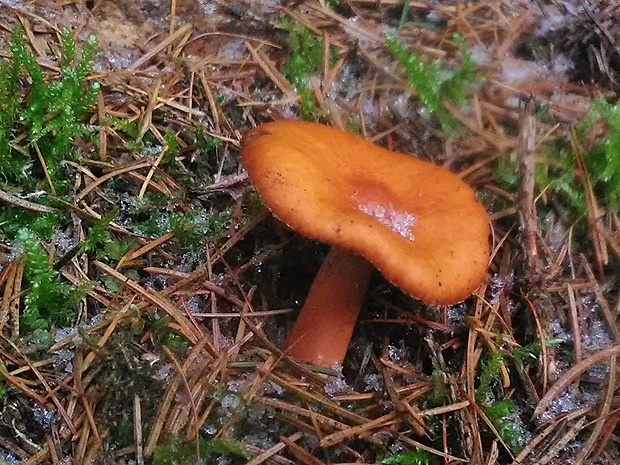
(325, 324)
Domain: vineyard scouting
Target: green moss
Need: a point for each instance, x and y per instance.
(149, 216)
(47, 299)
(116, 249)
(505, 171)
(530, 353)
(175, 451)
(501, 414)
(557, 173)
(98, 234)
(48, 112)
(305, 61)
(12, 163)
(603, 158)
(440, 393)
(206, 143)
(488, 377)
(156, 215)
(162, 334)
(122, 375)
(353, 126)
(306, 54)
(129, 131)
(412, 457)
(12, 219)
(193, 228)
(171, 149)
(434, 84)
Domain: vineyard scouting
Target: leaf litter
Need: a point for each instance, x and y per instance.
(183, 286)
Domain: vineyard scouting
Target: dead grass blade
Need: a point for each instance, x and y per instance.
(270, 70)
(527, 151)
(121, 170)
(13, 200)
(171, 390)
(137, 430)
(359, 430)
(267, 454)
(594, 438)
(557, 446)
(61, 410)
(11, 277)
(570, 375)
(188, 331)
(183, 30)
(302, 454)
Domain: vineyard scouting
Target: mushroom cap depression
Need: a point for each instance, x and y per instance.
(419, 224)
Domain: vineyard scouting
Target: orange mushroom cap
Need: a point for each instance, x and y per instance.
(419, 224)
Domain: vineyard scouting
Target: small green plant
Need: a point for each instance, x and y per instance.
(207, 164)
(171, 149)
(434, 84)
(603, 159)
(206, 143)
(12, 219)
(47, 299)
(411, 457)
(130, 130)
(558, 172)
(98, 234)
(116, 249)
(530, 353)
(193, 228)
(353, 126)
(557, 175)
(440, 393)
(305, 61)
(489, 375)
(512, 431)
(175, 451)
(505, 171)
(49, 113)
(162, 334)
(148, 218)
(502, 413)
(40, 119)
(404, 14)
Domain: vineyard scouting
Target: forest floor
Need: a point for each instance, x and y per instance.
(145, 291)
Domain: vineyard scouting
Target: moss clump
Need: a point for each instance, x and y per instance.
(489, 378)
(47, 299)
(40, 119)
(49, 113)
(434, 84)
(173, 450)
(411, 457)
(597, 136)
(502, 414)
(193, 228)
(603, 158)
(305, 61)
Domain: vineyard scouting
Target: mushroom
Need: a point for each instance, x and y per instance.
(419, 224)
